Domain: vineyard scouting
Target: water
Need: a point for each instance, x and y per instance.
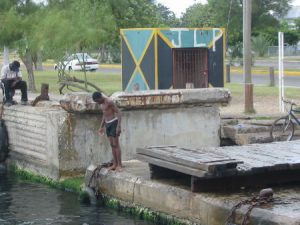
(25, 203)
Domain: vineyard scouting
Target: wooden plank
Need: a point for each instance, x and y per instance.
(258, 159)
(178, 155)
(197, 157)
(161, 146)
(197, 153)
(172, 166)
(209, 152)
(248, 158)
(189, 161)
(192, 157)
(218, 162)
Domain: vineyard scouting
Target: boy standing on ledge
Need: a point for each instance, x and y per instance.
(112, 122)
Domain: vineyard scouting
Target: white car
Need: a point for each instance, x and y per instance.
(78, 62)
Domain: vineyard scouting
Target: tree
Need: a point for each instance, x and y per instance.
(28, 12)
(260, 45)
(228, 14)
(297, 24)
(198, 15)
(5, 6)
(17, 32)
(74, 26)
(165, 17)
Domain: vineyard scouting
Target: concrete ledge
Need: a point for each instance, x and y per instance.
(81, 102)
(169, 98)
(134, 186)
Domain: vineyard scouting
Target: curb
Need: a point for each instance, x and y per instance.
(112, 66)
(264, 72)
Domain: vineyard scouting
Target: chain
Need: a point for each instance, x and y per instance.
(95, 176)
(265, 196)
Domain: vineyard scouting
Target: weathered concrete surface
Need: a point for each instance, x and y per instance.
(34, 137)
(53, 142)
(172, 98)
(79, 102)
(82, 102)
(187, 118)
(244, 131)
(188, 127)
(173, 197)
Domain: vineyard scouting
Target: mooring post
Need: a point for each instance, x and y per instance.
(43, 96)
(228, 73)
(272, 77)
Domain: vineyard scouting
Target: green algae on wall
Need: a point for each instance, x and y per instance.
(142, 212)
(75, 185)
(69, 184)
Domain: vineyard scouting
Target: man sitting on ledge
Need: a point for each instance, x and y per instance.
(11, 77)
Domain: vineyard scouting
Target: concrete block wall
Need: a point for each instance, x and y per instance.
(54, 143)
(190, 127)
(33, 137)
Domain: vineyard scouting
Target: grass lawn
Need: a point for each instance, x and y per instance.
(263, 91)
(109, 83)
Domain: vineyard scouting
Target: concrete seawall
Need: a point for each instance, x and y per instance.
(172, 196)
(54, 142)
(34, 138)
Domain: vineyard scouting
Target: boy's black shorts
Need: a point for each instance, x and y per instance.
(111, 128)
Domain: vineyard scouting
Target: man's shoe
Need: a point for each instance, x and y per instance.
(8, 104)
(23, 102)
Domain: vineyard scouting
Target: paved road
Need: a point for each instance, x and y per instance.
(101, 69)
(292, 81)
(288, 64)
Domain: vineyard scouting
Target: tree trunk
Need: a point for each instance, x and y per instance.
(39, 65)
(27, 60)
(5, 55)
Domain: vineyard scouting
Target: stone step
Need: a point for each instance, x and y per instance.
(251, 132)
(252, 138)
(230, 131)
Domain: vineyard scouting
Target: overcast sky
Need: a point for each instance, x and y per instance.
(179, 6)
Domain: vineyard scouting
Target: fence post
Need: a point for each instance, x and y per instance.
(228, 73)
(272, 77)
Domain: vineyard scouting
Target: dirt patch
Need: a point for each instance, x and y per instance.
(263, 105)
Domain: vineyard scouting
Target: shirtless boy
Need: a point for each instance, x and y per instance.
(112, 122)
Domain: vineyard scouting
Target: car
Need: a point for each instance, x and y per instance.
(78, 62)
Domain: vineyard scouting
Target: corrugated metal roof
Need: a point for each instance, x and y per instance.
(293, 13)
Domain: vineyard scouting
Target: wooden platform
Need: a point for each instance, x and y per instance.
(226, 167)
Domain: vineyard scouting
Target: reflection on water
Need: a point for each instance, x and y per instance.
(25, 203)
